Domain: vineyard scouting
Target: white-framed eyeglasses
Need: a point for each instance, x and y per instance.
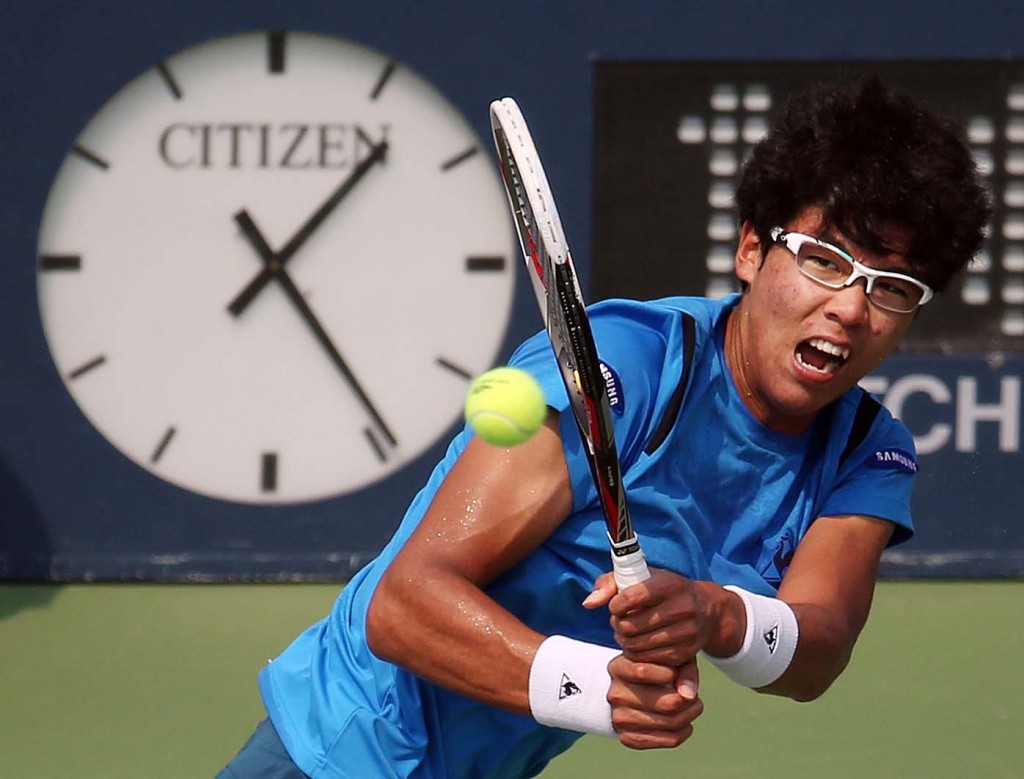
(834, 268)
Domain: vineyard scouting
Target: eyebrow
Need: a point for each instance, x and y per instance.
(887, 268)
(835, 239)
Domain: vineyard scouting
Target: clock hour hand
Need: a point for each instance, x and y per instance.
(274, 267)
(260, 280)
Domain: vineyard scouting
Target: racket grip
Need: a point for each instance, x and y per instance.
(629, 569)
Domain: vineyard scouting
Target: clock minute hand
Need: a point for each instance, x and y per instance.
(274, 267)
(321, 335)
(241, 301)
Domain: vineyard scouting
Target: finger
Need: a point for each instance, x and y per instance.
(673, 646)
(639, 596)
(641, 643)
(662, 587)
(677, 716)
(604, 590)
(688, 680)
(656, 739)
(670, 656)
(674, 643)
(644, 707)
(654, 629)
(662, 610)
(629, 673)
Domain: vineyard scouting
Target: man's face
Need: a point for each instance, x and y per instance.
(793, 345)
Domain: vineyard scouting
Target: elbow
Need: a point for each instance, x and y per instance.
(405, 612)
(383, 622)
(809, 693)
(823, 652)
(808, 682)
(801, 690)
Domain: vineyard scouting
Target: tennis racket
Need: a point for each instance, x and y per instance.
(554, 281)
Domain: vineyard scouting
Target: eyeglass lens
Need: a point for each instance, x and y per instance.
(833, 269)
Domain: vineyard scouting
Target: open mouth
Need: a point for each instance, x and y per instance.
(821, 356)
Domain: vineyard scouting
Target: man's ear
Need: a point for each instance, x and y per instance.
(749, 255)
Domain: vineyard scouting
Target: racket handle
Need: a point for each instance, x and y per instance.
(629, 569)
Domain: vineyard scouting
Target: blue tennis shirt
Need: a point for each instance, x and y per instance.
(714, 495)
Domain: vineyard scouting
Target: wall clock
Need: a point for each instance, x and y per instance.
(269, 265)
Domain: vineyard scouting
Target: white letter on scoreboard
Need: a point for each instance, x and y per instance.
(939, 434)
(1006, 413)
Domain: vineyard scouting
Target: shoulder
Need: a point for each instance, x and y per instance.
(649, 350)
(646, 349)
(642, 345)
(870, 435)
(663, 315)
(662, 332)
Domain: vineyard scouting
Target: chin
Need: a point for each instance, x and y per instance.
(798, 408)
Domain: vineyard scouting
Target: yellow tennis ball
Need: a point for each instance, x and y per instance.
(505, 406)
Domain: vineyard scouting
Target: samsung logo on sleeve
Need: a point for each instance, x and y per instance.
(896, 459)
(613, 387)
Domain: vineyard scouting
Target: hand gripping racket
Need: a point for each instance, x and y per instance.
(565, 317)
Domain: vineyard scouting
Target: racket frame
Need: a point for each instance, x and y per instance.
(557, 289)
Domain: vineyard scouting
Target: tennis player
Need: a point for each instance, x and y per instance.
(488, 636)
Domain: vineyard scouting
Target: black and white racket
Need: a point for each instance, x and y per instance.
(561, 304)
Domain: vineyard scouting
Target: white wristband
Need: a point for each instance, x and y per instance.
(569, 683)
(768, 644)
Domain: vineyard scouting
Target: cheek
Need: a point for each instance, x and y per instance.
(885, 335)
(789, 292)
(771, 285)
(888, 329)
(787, 297)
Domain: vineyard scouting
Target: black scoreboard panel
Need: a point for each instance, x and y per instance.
(669, 141)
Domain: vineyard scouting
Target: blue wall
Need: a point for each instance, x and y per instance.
(84, 511)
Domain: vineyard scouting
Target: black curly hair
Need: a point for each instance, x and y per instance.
(870, 158)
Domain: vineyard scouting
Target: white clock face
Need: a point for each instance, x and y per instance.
(269, 266)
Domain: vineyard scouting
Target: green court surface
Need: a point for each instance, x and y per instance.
(158, 682)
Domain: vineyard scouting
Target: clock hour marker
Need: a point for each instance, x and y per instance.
(95, 362)
(162, 446)
(459, 158)
(485, 264)
(268, 472)
(59, 262)
(275, 51)
(457, 370)
(371, 438)
(389, 68)
(168, 79)
(90, 157)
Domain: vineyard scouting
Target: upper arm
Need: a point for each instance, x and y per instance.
(493, 508)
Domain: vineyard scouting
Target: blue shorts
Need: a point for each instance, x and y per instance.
(262, 757)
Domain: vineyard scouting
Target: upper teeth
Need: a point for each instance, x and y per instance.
(830, 348)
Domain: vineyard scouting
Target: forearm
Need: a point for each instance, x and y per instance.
(797, 644)
(823, 644)
(430, 613)
(829, 586)
(446, 630)
(822, 652)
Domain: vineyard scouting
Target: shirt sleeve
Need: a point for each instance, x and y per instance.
(878, 478)
(632, 347)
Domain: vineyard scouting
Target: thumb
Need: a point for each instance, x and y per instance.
(688, 680)
(604, 590)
